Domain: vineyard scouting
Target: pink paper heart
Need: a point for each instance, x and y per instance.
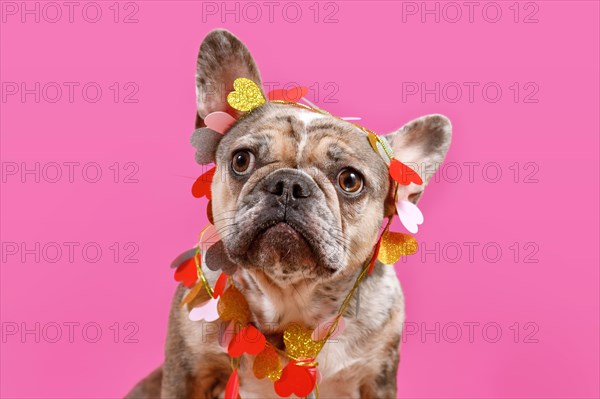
(207, 312)
(219, 121)
(208, 237)
(322, 329)
(410, 215)
(226, 335)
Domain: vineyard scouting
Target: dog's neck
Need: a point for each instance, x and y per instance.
(308, 302)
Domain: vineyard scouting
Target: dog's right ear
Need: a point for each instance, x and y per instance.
(222, 59)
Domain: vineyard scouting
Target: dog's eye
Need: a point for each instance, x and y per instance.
(242, 162)
(350, 181)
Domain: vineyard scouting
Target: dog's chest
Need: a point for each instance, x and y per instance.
(345, 359)
(274, 309)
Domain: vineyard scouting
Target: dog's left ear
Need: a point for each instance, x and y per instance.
(421, 144)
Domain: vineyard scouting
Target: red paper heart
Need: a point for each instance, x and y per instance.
(403, 174)
(290, 95)
(248, 340)
(201, 186)
(209, 214)
(187, 273)
(232, 389)
(298, 380)
(220, 285)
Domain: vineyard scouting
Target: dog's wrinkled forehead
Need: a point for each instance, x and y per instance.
(296, 138)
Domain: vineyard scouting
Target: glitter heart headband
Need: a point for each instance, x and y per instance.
(247, 96)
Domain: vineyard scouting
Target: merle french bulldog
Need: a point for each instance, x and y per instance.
(298, 199)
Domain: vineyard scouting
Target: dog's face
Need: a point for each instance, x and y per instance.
(298, 194)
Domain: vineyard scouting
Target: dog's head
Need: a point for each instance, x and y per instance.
(298, 194)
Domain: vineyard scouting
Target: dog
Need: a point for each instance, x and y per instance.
(299, 199)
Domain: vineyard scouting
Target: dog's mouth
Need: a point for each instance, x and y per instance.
(284, 243)
(279, 227)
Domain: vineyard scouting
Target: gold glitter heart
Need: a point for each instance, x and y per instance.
(381, 147)
(394, 245)
(299, 344)
(246, 95)
(373, 141)
(267, 364)
(233, 306)
(197, 296)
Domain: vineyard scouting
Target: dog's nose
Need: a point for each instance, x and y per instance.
(289, 184)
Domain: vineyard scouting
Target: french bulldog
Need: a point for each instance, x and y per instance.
(298, 199)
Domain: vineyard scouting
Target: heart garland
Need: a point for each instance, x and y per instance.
(248, 96)
(299, 374)
(227, 303)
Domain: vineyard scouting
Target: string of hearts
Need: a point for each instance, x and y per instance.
(225, 302)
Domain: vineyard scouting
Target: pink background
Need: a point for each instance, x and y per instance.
(373, 50)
